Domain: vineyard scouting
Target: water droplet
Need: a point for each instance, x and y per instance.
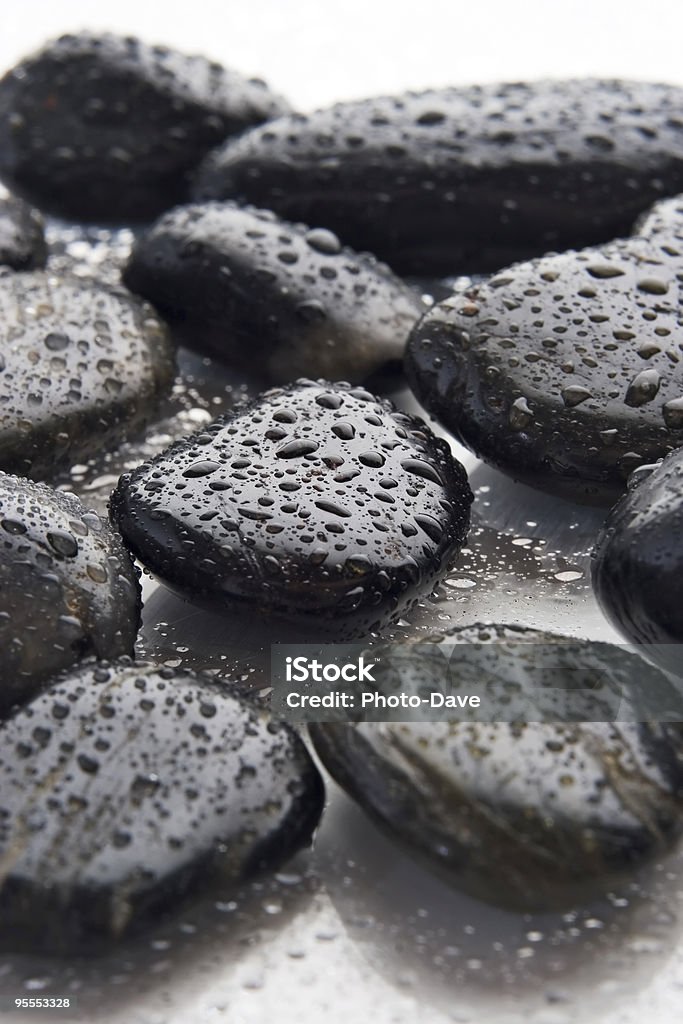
(653, 286)
(202, 468)
(520, 414)
(575, 395)
(422, 469)
(673, 414)
(643, 388)
(323, 241)
(373, 459)
(603, 271)
(63, 542)
(296, 448)
(345, 431)
(56, 341)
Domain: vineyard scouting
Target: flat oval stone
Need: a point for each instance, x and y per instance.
(22, 240)
(126, 789)
(107, 128)
(282, 300)
(318, 502)
(638, 561)
(68, 588)
(81, 365)
(564, 372)
(533, 815)
(465, 179)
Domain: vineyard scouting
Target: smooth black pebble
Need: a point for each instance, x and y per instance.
(638, 561)
(565, 372)
(81, 366)
(318, 502)
(534, 815)
(107, 128)
(280, 300)
(126, 789)
(68, 588)
(466, 179)
(22, 239)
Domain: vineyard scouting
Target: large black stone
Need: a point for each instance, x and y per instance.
(81, 366)
(107, 128)
(68, 589)
(319, 502)
(567, 371)
(125, 789)
(279, 300)
(465, 179)
(533, 815)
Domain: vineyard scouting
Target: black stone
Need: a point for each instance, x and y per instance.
(465, 179)
(68, 588)
(565, 372)
(534, 815)
(126, 789)
(107, 128)
(22, 241)
(318, 502)
(81, 365)
(277, 299)
(638, 565)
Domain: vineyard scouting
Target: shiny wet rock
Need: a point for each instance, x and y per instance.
(565, 372)
(22, 240)
(127, 789)
(319, 503)
(68, 588)
(277, 299)
(465, 179)
(107, 128)
(532, 815)
(81, 366)
(638, 564)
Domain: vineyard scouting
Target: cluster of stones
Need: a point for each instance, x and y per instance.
(320, 503)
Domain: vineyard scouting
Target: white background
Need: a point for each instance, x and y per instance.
(318, 51)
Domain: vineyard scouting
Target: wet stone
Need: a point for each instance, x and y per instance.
(565, 372)
(280, 525)
(68, 588)
(127, 789)
(665, 221)
(81, 366)
(107, 128)
(533, 815)
(638, 563)
(22, 241)
(465, 179)
(277, 299)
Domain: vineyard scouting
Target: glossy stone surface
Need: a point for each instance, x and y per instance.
(532, 815)
(465, 179)
(68, 588)
(319, 502)
(81, 366)
(277, 299)
(565, 372)
(638, 564)
(125, 789)
(22, 241)
(107, 128)
(665, 220)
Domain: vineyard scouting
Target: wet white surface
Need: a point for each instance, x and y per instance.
(354, 930)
